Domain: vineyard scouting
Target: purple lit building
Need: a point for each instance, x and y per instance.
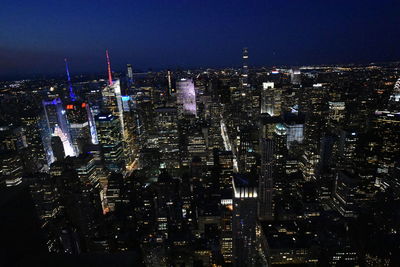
(186, 97)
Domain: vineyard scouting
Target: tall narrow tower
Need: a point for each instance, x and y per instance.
(129, 72)
(169, 82)
(71, 91)
(245, 69)
(265, 185)
(109, 68)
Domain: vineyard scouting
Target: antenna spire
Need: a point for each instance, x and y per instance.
(109, 68)
(71, 91)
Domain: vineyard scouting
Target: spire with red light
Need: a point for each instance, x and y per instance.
(109, 68)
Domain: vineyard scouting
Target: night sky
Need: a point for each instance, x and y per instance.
(35, 36)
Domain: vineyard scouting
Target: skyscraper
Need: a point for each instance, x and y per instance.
(110, 139)
(186, 97)
(11, 168)
(245, 69)
(79, 126)
(129, 73)
(57, 147)
(271, 99)
(295, 76)
(244, 220)
(171, 90)
(57, 124)
(265, 184)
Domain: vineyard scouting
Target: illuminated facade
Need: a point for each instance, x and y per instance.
(110, 139)
(295, 76)
(119, 106)
(336, 112)
(57, 124)
(11, 169)
(129, 72)
(271, 99)
(79, 126)
(295, 133)
(396, 92)
(68, 147)
(265, 185)
(168, 138)
(186, 97)
(245, 68)
(244, 221)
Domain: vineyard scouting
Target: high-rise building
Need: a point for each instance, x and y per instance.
(336, 113)
(79, 125)
(129, 73)
(295, 76)
(265, 184)
(225, 164)
(56, 123)
(244, 220)
(11, 169)
(168, 138)
(171, 89)
(280, 150)
(36, 157)
(186, 97)
(227, 231)
(85, 167)
(271, 101)
(57, 147)
(118, 105)
(110, 139)
(245, 68)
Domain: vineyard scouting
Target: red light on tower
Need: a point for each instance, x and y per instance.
(109, 68)
(83, 105)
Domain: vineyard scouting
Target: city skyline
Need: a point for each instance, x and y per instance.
(174, 133)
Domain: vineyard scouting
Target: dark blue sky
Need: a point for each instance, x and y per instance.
(35, 36)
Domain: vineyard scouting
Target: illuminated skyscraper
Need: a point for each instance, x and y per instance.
(67, 144)
(171, 90)
(395, 96)
(271, 99)
(168, 139)
(245, 69)
(79, 126)
(244, 220)
(129, 72)
(226, 242)
(35, 151)
(110, 139)
(57, 124)
(11, 168)
(186, 97)
(265, 185)
(280, 151)
(336, 113)
(295, 76)
(118, 105)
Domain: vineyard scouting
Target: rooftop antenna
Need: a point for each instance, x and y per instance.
(109, 68)
(71, 91)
